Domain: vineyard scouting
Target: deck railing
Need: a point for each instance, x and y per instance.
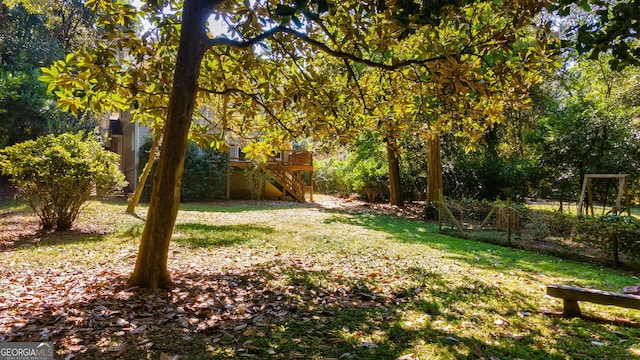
(285, 157)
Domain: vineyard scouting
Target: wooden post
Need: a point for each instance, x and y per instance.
(589, 197)
(229, 170)
(582, 193)
(509, 221)
(622, 191)
(311, 186)
(440, 211)
(626, 197)
(614, 251)
(571, 308)
(455, 222)
(486, 220)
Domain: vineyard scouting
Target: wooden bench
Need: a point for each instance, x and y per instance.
(571, 295)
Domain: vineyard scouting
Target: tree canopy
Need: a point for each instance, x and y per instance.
(32, 38)
(607, 27)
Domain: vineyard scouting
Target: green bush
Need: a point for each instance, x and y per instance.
(256, 179)
(56, 175)
(483, 176)
(363, 171)
(541, 224)
(203, 178)
(370, 178)
(560, 224)
(329, 176)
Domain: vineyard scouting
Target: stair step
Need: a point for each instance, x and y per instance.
(287, 180)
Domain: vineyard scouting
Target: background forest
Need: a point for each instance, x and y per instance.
(582, 119)
(29, 41)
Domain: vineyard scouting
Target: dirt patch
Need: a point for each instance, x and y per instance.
(412, 210)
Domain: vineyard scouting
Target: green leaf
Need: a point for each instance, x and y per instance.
(584, 4)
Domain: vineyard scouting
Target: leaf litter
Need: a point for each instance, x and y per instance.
(259, 301)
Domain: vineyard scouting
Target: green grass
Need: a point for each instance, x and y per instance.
(302, 282)
(12, 206)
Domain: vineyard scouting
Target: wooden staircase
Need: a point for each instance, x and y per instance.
(285, 168)
(289, 182)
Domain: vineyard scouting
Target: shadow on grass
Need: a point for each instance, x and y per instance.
(22, 229)
(205, 236)
(485, 255)
(272, 311)
(12, 207)
(237, 206)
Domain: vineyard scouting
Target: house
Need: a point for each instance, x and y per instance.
(125, 137)
(285, 170)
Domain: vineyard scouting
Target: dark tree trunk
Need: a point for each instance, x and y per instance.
(393, 159)
(151, 264)
(434, 170)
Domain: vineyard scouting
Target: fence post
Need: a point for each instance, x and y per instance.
(616, 256)
(509, 222)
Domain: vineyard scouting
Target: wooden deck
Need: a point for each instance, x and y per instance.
(292, 159)
(285, 168)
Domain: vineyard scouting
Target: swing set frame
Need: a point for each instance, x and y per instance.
(623, 190)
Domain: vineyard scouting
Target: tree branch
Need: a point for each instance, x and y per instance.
(347, 65)
(348, 56)
(221, 41)
(243, 44)
(256, 98)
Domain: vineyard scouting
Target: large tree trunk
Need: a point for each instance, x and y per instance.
(393, 159)
(434, 170)
(134, 199)
(151, 264)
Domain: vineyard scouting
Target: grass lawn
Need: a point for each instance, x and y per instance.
(297, 281)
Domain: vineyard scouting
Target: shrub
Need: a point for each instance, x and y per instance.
(203, 177)
(370, 177)
(486, 176)
(367, 171)
(256, 179)
(560, 225)
(56, 175)
(363, 171)
(330, 176)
